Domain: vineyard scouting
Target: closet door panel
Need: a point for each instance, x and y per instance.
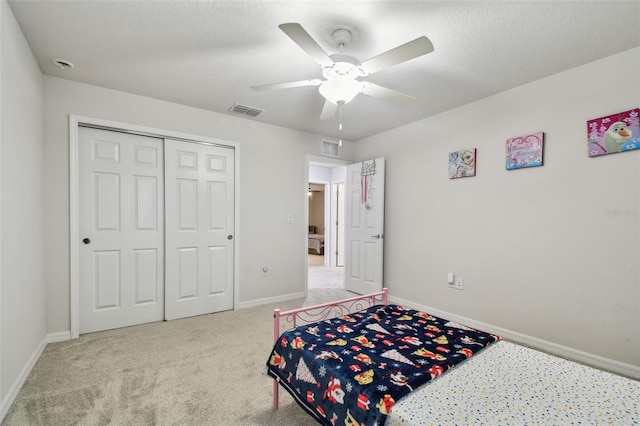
(121, 204)
(199, 191)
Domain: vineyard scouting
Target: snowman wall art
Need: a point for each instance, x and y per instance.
(614, 133)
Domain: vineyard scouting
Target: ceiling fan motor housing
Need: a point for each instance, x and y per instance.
(344, 66)
(341, 38)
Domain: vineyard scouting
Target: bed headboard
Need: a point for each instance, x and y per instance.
(312, 229)
(315, 313)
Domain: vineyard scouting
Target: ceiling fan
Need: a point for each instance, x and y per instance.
(342, 72)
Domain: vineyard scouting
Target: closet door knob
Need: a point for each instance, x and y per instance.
(229, 237)
(86, 241)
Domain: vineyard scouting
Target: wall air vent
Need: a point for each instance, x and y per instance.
(330, 148)
(246, 110)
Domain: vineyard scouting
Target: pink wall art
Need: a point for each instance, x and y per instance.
(614, 133)
(525, 151)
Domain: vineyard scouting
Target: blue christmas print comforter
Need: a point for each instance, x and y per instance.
(351, 370)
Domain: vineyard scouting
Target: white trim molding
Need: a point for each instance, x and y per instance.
(269, 300)
(6, 402)
(61, 336)
(597, 361)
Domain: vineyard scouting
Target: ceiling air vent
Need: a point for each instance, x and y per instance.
(330, 148)
(246, 110)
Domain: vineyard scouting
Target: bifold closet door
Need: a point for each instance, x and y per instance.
(121, 256)
(199, 215)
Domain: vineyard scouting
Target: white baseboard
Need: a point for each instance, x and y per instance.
(61, 336)
(597, 361)
(13, 392)
(17, 385)
(268, 300)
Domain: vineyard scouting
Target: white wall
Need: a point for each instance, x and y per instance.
(319, 174)
(271, 186)
(22, 288)
(537, 251)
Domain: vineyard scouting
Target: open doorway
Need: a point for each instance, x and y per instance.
(325, 258)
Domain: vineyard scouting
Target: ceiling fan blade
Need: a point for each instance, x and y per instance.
(390, 95)
(288, 85)
(328, 111)
(302, 38)
(413, 49)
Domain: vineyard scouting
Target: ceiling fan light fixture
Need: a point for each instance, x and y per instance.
(340, 91)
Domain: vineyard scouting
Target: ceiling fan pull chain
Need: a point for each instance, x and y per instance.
(340, 122)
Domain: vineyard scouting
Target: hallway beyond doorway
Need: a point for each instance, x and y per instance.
(321, 276)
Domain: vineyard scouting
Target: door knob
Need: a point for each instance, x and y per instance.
(86, 241)
(229, 237)
(377, 236)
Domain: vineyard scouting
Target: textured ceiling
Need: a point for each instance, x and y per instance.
(207, 54)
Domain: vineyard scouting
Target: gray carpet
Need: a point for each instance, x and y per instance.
(324, 277)
(205, 370)
(325, 283)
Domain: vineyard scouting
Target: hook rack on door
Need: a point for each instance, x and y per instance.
(368, 169)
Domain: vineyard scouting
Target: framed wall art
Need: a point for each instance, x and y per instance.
(525, 151)
(462, 163)
(614, 133)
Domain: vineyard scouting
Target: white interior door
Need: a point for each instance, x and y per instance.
(364, 227)
(340, 224)
(199, 192)
(121, 256)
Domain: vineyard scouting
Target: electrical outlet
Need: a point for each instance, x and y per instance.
(459, 283)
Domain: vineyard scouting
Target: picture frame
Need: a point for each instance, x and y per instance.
(462, 163)
(614, 133)
(525, 151)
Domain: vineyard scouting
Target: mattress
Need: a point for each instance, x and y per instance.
(508, 384)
